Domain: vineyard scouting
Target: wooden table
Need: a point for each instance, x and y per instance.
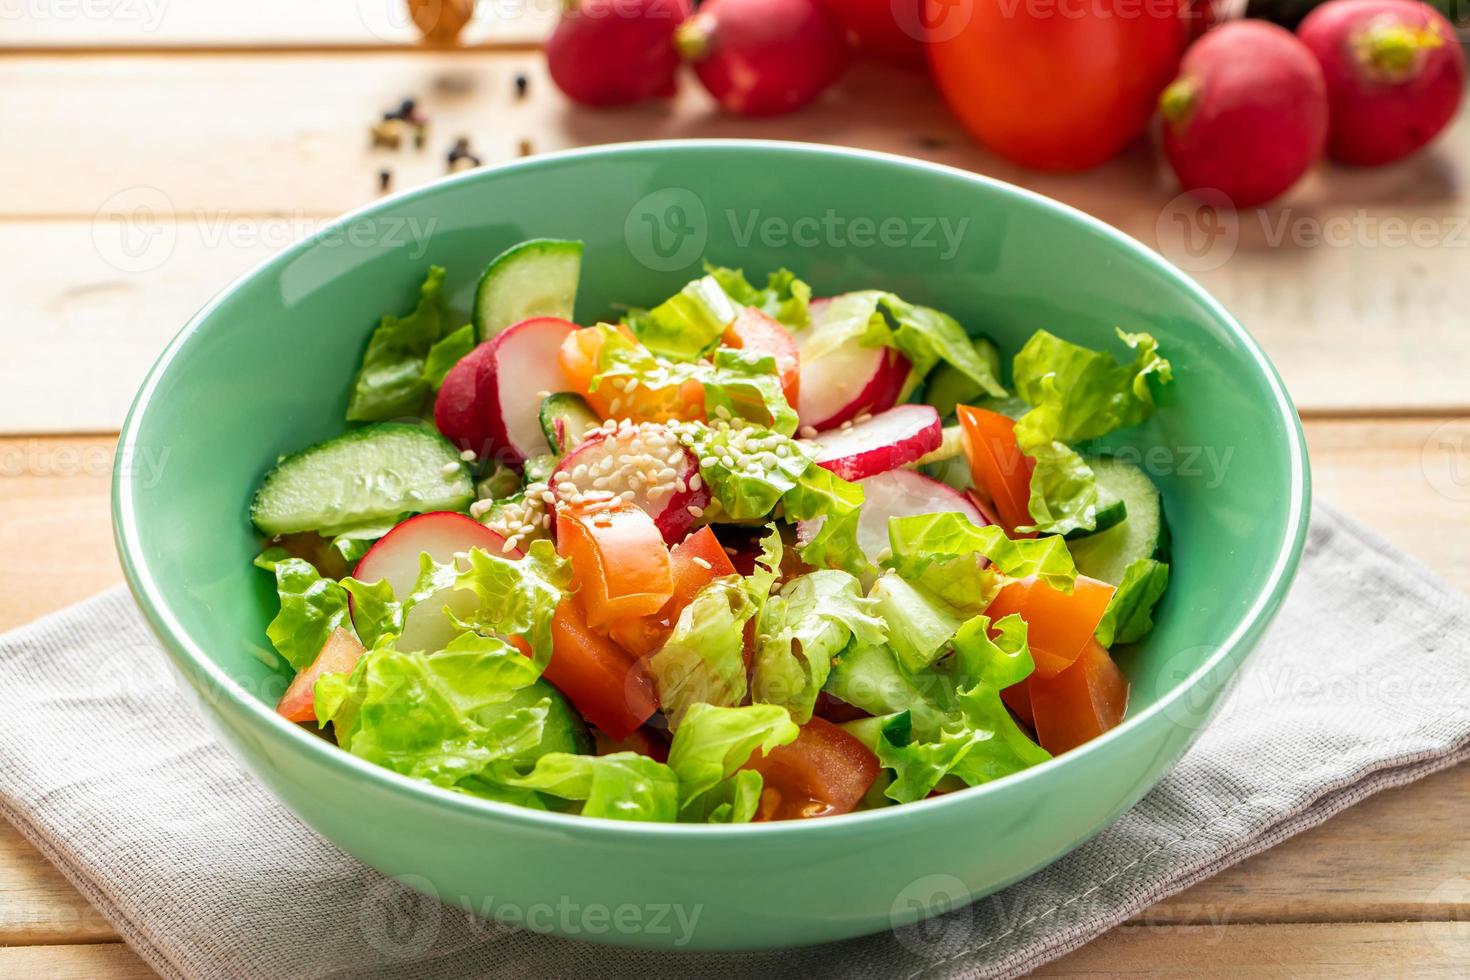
(228, 130)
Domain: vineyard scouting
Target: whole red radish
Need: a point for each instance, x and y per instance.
(763, 57)
(1247, 115)
(614, 52)
(891, 30)
(1395, 74)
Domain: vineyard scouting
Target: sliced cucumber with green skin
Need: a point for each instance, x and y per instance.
(1106, 555)
(535, 278)
(369, 475)
(1111, 511)
(949, 386)
(538, 469)
(566, 418)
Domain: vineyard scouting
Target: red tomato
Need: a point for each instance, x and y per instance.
(886, 29)
(620, 564)
(1080, 703)
(1054, 84)
(1059, 626)
(824, 772)
(1017, 697)
(693, 563)
(580, 357)
(338, 656)
(643, 741)
(754, 330)
(997, 464)
(601, 679)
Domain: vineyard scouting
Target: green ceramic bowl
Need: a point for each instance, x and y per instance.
(265, 368)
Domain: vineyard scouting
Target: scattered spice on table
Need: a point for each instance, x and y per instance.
(522, 84)
(396, 123)
(525, 148)
(385, 180)
(460, 157)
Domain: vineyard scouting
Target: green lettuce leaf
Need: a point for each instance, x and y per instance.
(735, 800)
(784, 297)
(447, 353)
(714, 742)
(517, 597)
(801, 629)
(747, 384)
(703, 660)
(869, 676)
(920, 625)
(924, 549)
(355, 542)
(441, 717)
(391, 382)
(1077, 394)
(1129, 616)
(747, 468)
(311, 607)
(818, 494)
(620, 786)
(687, 325)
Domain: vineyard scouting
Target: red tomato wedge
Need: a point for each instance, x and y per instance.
(824, 772)
(1017, 697)
(339, 655)
(1080, 703)
(1058, 626)
(997, 463)
(620, 564)
(754, 330)
(693, 563)
(602, 681)
(643, 741)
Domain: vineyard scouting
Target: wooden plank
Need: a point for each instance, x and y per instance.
(161, 25)
(111, 960)
(37, 905)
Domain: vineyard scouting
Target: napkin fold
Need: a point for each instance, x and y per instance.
(1362, 683)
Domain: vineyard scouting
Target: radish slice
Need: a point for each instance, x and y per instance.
(455, 411)
(643, 464)
(396, 558)
(896, 493)
(514, 377)
(875, 445)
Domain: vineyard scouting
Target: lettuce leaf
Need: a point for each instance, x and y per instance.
(925, 548)
(447, 353)
(747, 384)
(920, 626)
(517, 597)
(784, 297)
(748, 469)
(818, 494)
(714, 742)
(687, 325)
(1129, 616)
(311, 607)
(703, 660)
(1077, 394)
(801, 629)
(391, 382)
(735, 800)
(620, 786)
(869, 676)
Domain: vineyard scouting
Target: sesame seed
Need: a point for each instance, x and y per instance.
(468, 455)
(695, 482)
(702, 563)
(510, 545)
(696, 511)
(722, 412)
(449, 469)
(864, 417)
(807, 432)
(631, 385)
(709, 462)
(543, 395)
(728, 462)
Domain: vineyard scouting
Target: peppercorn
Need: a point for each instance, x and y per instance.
(522, 83)
(385, 180)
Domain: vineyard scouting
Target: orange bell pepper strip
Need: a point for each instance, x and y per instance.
(693, 563)
(1080, 703)
(581, 358)
(1017, 697)
(824, 772)
(1058, 625)
(339, 655)
(601, 680)
(753, 329)
(997, 464)
(620, 565)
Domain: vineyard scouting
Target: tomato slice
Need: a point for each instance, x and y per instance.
(1058, 625)
(755, 330)
(339, 655)
(643, 741)
(620, 564)
(1017, 697)
(580, 358)
(601, 679)
(1081, 702)
(824, 772)
(997, 463)
(693, 563)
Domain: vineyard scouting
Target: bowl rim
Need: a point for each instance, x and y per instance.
(181, 646)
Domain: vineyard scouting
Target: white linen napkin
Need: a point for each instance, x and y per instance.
(1363, 683)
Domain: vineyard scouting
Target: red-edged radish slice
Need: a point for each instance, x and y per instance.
(643, 464)
(844, 383)
(514, 377)
(897, 493)
(875, 445)
(455, 410)
(395, 557)
(338, 656)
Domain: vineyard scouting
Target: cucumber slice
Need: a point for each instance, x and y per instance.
(538, 469)
(1112, 510)
(1106, 555)
(948, 386)
(369, 475)
(535, 278)
(566, 418)
(951, 444)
